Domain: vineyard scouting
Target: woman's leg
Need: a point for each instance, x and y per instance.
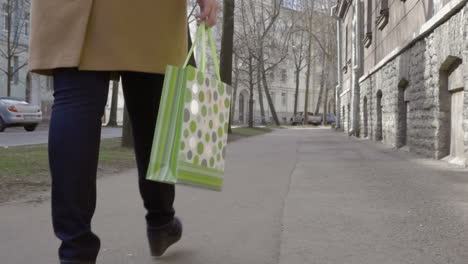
(74, 138)
(142, 92)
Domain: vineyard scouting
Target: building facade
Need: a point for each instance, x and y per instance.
(410, 62)
(14, 38)
(14, 44)
(282, 78)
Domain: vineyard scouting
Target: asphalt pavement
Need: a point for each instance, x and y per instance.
(291, 196)
(17, 136)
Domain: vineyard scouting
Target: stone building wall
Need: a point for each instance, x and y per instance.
(412, 84)
(345, 112)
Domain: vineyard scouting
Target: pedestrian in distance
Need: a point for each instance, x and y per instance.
(83, 44)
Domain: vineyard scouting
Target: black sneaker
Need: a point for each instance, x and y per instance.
(160, 238)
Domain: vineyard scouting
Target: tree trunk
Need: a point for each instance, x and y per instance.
(227, 46)
(296, 95)
(268, 96)
(29, 93)
(251, 87)
(260, 94)
(114, 105)
(8, 53)
(309, 66)
(127, 137)
(325, 106)
(322, 83)
(9, 77)
(233, 100)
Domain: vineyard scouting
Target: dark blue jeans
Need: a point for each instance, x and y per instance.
(74, 138)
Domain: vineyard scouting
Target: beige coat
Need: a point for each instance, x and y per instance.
(112, 35)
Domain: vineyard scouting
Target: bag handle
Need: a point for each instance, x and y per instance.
(201, 31)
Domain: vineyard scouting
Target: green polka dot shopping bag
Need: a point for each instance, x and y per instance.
(190, 139)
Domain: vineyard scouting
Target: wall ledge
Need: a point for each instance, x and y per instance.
(427, 28)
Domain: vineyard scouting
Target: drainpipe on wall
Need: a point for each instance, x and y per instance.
(465, 70)
(355, 96)
(339, 69)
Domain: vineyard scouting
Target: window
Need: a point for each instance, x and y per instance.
(272, 75)
(345, 64)
(293, 4)
(273, 97)
(26, 28)
(284, 76)
(283, 99)
(346, 48)
(5, 10)
(26, 23)
(14, 68)
(368, 33)
(382, 18)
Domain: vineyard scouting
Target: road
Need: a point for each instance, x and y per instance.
(17, 136)
(290, 197)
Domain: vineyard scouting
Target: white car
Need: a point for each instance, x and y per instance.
(17, 112)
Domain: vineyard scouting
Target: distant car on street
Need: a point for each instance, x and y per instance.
(17, 112)
(331, 118)
(311, 119)
(259, 120)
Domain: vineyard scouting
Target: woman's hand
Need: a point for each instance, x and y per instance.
(208, 13)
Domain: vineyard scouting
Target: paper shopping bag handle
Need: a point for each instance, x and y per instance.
(202, 31)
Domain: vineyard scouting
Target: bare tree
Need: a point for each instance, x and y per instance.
(234, 92)
(260, 49)
(273, 48)
(127, 135)
(114, 104)
(299, 53)
(309, 9)
(227, 46)
(244, 50)
(324, 36)
(323, 77)
(16, 25)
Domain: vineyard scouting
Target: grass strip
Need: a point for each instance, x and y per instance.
(25, 169)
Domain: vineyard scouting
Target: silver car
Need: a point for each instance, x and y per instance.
(17, 112)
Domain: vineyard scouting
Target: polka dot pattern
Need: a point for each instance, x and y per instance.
(205, 121)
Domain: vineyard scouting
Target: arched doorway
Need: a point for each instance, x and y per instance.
(243, 106)
(365, 117)
(451, 96)
(343, 114)
(349, 118)
(379, 130)
(403, 109)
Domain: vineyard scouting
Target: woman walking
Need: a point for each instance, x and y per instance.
(83, 44)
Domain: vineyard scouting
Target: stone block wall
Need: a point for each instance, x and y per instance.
(465, 109)
(345, 111)
(385, 81)
(415, 77)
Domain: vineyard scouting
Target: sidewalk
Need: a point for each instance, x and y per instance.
(241, 224)
(17, 136)
(303, 196)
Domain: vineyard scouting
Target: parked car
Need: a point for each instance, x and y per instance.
(258, 120)
(311, 119)
(331, 118)
(17, 112)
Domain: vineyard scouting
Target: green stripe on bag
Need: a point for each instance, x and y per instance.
(210, 171)
(161, 159)
(155, 159)
(179, 106)
(191, 177)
